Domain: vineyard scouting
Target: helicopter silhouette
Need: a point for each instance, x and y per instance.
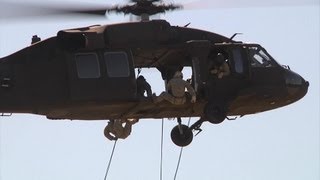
(89, 73)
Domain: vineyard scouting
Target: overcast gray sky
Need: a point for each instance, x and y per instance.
(250, 3)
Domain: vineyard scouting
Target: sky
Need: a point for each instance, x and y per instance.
(280, 144)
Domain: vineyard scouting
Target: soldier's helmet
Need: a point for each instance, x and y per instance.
(219, 58)
(178, 74)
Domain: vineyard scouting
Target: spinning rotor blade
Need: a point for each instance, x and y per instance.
(31, 9)
(16, 10)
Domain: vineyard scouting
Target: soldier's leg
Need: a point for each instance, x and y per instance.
(108, 131)
(168, 97)
(157, 99)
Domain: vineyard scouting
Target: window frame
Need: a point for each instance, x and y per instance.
(113, 74)
(238, 61)
(260, 58)
(79, 75)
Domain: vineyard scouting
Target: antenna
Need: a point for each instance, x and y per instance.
(234, 35)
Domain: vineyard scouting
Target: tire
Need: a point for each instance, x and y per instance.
(215, 113)
(183, 139)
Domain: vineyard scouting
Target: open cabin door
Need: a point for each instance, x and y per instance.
(199, 50)
(226, 86)
(203, 57)
(101, 76)
(236, 58)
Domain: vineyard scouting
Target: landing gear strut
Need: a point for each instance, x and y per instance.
(214, 113)
(182, 135)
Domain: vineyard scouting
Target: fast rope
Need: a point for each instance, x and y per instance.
(180, 155)
(161, 149)
(109, 164)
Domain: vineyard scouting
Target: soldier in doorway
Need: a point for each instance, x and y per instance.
(176, 91)
(142, 87)
(220, 66)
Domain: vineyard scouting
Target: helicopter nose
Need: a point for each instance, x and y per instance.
(297, 86)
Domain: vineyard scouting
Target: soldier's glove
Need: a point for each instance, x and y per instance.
(193, 99)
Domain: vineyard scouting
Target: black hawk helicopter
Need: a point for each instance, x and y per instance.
(89, 73)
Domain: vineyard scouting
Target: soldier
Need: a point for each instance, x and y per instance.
(221, 67)
(115, 128)
(176, 91)
(142, 87)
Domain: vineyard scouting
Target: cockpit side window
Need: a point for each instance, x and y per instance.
(259, 58)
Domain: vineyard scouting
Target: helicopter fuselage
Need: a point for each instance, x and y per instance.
(89, 73)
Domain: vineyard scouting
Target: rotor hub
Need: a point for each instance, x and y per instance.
(145, 8)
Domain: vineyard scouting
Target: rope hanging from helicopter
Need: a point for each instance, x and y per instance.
(161, 149)
(110, 160)
(180, 156)
(161, 153)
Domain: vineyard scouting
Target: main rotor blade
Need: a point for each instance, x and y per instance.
(16, 10)
(32, 9)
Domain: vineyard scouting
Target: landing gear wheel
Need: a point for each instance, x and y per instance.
(215, 113)
(181, 137)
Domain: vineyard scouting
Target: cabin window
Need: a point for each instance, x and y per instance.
(87, 65)
(117, 64)
(238, 60)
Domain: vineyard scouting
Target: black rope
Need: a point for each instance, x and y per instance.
(180, 155)
(175, 174)
(161, 149)
(109, 164)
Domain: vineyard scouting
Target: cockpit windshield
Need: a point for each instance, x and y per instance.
(260, 58)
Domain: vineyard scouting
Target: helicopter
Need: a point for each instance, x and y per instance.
(88, 73)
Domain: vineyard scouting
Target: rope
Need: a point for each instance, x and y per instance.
(109, 164)
(180, 155)
(161, 149)
(178, 165)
